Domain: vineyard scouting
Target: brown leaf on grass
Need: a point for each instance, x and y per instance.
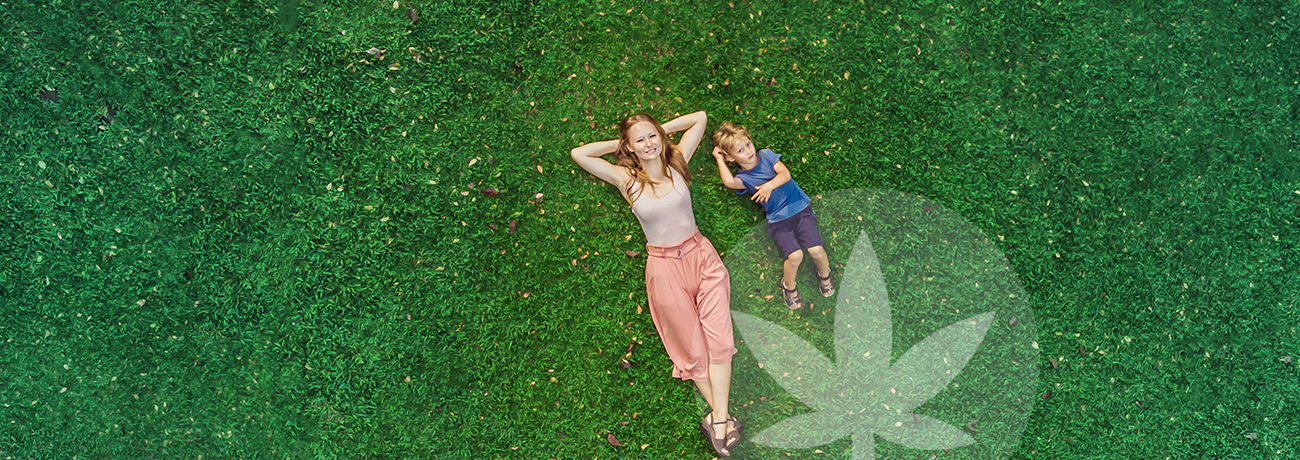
(1081, 352)
(593, 125)
(513, 226)
(1053, 361)
(1012, 321)
(630, 347)
(971, 425)
(613, 441)
(626, 364)
(411, 14)
(492, 226)
(1047, 395)
(490, 191)
(632, 253)
(771, 82)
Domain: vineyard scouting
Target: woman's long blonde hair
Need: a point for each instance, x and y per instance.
(626, 158)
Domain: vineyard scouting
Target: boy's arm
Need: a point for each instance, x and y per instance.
(765, 190)
(727, 179)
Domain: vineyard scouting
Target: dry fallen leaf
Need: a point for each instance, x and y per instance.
(513, 226)
(490, 191)
(1081, 352)
(1047, 395)
(411, 14)
(492, 226)
(613, 441)
(1053, 361)
(1012, 322)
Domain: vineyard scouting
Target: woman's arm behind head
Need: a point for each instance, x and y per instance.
(589, 158)
(694, 124)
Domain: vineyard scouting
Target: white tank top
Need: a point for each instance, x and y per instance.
(668, 220)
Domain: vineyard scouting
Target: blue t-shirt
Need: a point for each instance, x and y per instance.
(784, 202)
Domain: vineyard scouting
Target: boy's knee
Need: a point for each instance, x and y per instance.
(816, 251)
(795, 257)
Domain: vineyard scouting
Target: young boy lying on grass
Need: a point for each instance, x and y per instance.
(790, 219)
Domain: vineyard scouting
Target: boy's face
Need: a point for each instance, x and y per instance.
(743, 154)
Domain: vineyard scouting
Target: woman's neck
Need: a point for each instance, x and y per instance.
(654, 168)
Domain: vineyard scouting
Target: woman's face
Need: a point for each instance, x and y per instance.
(645, 141)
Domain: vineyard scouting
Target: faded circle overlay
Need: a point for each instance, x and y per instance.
(926, 348)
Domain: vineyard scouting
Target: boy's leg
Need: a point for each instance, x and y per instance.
(783, 234)
(809, 236)
(791, 268)
(818, 254)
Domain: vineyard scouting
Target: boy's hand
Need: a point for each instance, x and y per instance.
(761, 194)
(717, 154)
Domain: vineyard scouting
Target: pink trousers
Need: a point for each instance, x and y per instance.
(690, 302)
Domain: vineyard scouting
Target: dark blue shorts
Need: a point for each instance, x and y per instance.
(795, 232)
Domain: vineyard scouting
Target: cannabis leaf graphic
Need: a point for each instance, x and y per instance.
(862, 394)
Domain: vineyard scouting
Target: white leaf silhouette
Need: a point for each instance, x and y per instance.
(862, 394)
(822, 426)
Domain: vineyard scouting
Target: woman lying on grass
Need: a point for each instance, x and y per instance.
(688, 288)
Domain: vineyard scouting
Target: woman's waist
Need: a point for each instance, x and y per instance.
(676, 250)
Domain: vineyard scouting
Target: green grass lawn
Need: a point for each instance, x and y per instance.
(262, 229)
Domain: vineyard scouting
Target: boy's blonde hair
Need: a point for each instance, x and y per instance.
(728, 135)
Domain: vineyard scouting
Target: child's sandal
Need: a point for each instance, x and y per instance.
(792, 299)
(825, 284)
